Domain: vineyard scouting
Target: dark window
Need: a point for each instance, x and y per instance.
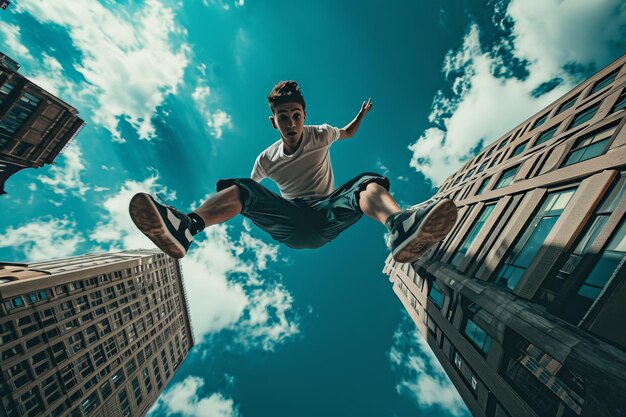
(503, 143)
(483, 185)
(489, 152)
(584, 116)
(540, 121)
(471, 236)
(436, 295)
(621, 103)
(536, 394)
(604, 82)
(590, 146)
(90, 403)
(547, 135)
(607, 266)
(137, 391)
(533, 238)
(507, 177)
(567, 105)
(519, 149)
(124, 405)
(482, 167)
(478, 336)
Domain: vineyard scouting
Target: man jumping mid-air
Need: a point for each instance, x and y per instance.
(311, 211)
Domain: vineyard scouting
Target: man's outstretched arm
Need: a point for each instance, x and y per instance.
(350, 129)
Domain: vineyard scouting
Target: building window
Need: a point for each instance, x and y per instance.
(483, 186)
(529, 387)
(503, 143)
(584, 116)
(482, 167)
(540, 121)
(436, 295)
(590, 146)
(567, 105)
(507, 177)
(533, 238)
(137, 391)
(471, 236)
(519, 149)
(124, 405)
(621, 103)
(604, 82)
(489, 152)
(478, 336)
(609, 263)
(547, 135)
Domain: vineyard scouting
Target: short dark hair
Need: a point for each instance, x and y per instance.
(285, 92)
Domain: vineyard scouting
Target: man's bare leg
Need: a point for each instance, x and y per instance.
(172, 230)
(376, 202)
(220, 207)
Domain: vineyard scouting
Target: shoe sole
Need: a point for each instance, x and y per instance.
(433, 229)
(148, 220)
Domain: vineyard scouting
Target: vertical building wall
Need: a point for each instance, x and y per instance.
(523, 302)
(95, 335)
(34, 125)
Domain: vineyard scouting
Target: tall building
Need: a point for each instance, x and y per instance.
(95, 335)
(35, 126)
(523, 302)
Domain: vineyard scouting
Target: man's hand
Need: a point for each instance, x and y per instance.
(365, 107)
(350, 129)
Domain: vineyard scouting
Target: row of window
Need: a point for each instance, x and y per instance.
(591, 280)
(579, 119)
(586, 147)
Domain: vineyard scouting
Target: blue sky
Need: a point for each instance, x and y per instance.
(174, 96)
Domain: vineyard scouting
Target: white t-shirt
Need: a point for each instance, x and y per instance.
(307, 173)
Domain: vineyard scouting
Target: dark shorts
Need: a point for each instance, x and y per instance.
(300, 223)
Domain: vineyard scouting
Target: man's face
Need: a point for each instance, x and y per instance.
(289, 118)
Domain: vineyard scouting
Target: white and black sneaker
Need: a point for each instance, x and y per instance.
(167, 227)
(413, 232)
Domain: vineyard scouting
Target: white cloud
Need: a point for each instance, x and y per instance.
(67, 177)
(12, 43)
(130, 62)
(421, 376)
(117, 230)
(53, 79)
(217, 119)
(267, 324)
(484, 106)
(184, 399)
(44, 238)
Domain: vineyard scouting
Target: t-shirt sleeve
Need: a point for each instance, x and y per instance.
(327, 133)
(258, 173)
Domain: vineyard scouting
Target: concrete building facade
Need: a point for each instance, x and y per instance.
(35, 126)
(94, 335)
(523, 302)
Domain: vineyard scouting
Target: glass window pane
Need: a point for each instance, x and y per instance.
(584, 116)
(546, 135)
(591, 235)
(621, 103)
(519, 149)
(540, 121)
(568, 104)
(604, 82)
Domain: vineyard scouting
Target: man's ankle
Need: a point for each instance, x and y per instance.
(197, 224)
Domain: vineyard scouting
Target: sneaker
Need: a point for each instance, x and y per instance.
(165, 226)
(413, 232)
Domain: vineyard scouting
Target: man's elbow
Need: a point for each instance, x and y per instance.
(345, 134)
